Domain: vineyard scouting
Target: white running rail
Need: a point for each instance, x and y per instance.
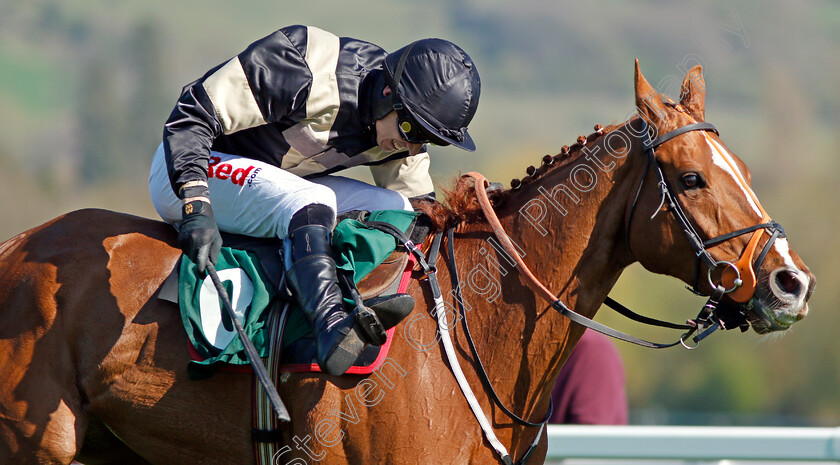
(693, 443)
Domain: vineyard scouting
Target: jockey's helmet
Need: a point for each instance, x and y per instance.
(435, 90)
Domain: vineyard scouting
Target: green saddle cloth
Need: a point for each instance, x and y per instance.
(359, 249)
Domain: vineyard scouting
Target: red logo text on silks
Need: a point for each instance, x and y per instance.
(220, 170)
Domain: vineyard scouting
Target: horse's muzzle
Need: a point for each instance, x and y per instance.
(780, 300)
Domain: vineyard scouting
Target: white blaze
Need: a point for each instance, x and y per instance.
(783, 249)
(722, 158)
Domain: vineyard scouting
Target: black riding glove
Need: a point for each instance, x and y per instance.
(199, 236)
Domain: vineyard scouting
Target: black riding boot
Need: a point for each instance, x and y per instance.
(311, 274)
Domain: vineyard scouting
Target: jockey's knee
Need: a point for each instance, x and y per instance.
(314, 213)
(394, 201)
(321, 195)
(316, 204)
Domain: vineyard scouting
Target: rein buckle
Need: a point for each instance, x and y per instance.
(706, 321)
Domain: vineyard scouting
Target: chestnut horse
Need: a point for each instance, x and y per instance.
(94, 365)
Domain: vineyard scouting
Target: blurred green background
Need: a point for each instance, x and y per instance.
(86, 85)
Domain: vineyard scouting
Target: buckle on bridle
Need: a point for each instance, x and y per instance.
(663, 195)
(706, 321)
(684, 337)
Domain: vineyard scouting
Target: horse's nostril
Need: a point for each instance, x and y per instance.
(788, 282)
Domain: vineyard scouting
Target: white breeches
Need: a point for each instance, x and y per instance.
(256, 199)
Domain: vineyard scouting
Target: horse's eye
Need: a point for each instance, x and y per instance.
(692, 181)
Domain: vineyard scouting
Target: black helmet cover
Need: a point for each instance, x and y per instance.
(435, 91)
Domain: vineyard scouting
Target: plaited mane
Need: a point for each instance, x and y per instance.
(461, 206)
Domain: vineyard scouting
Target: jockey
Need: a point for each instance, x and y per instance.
(251, 146)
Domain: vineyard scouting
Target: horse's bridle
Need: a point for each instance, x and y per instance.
(738, 278)
(740, 287)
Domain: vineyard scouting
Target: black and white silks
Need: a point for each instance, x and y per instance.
(298, 99)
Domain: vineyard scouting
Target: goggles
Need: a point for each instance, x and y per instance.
(409, 129)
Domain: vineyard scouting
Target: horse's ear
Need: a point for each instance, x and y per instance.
(648, 101)
(693, 95)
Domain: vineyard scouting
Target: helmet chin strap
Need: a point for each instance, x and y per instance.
(382, 104)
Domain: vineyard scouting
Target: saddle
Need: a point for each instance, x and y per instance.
(297, 348)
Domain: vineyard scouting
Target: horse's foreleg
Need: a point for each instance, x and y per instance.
(102, 447)
(37, 433)
(42, 418)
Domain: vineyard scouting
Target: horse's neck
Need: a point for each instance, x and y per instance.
(570, 234)
(570, 222)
